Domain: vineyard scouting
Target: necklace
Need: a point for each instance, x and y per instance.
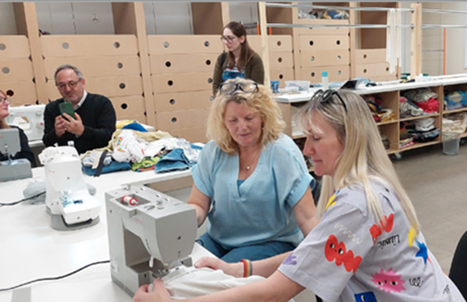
(248, 166)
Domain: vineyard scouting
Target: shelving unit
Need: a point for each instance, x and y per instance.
(390, 95)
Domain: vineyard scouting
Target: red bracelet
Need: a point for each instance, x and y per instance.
(247, 268)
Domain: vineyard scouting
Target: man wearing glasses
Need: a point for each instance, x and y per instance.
(94, 116)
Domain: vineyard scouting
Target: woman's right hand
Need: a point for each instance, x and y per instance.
(233, 269)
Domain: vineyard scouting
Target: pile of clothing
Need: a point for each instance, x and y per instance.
(408, 109)
(141, 151)
(455, 100)
(417, 131)
(330, 14)
(456, 122)
(379, 113)
(424, 98)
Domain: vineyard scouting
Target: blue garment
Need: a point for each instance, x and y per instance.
(260, 210)
(135, 126)
(232, 74)
(175, 161)
(112, 167)
(250, 252)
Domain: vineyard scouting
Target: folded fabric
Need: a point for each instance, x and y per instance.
(92, 159)
(112, 167)
(135, 126)
(174, 161)
(147, 163)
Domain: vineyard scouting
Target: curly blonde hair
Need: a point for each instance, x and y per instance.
(260, 101)
(3, 124)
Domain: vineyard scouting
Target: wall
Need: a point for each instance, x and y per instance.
(432, 62)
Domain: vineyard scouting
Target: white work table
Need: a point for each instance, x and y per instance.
(30, 249)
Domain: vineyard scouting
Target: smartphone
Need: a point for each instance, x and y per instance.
(67, 108)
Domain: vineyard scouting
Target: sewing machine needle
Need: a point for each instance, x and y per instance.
(151, 261)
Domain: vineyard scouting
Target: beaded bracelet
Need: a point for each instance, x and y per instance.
(247, 268)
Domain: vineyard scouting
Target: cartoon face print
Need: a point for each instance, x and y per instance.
(365, 297)
(376, 230)
(388, 281)
(337, 251)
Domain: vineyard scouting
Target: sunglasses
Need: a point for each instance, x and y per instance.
(230, 87)
(326, 96)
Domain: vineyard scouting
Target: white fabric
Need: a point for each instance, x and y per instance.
(129, 147)
(189, 282)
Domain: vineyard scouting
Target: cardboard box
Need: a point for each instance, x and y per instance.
(368, 56)
(335, 73)
(108, 86)
(372, 70)
(183, 63)
(14, 47)
(92, 67)
(277, 43)
(12, 70)
(179, 82)
(20, 93)
(130, 108)
(328, 31)
(192, 118)
(177, 101)
(325, 58)
(282, 75)
(193, 135)
(88, 45)
(280, 60)
(184, 44)
(321, 43)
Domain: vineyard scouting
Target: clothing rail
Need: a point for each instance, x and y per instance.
(432, 26)
(443, 11)
(338, 7)
(335, 25)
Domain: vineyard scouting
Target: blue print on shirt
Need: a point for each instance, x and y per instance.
(365, 297)
(422, 252)
(290, 260)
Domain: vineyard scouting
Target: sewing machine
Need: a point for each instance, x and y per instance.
(150, 234)
(67, 197)
(29, 118)
(12, 168)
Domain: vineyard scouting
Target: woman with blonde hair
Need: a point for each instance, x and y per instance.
(25, 151)
(367, 246)
(251, 180)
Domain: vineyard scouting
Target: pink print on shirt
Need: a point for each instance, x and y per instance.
(388, 281)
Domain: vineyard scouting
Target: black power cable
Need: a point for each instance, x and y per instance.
(54, 278)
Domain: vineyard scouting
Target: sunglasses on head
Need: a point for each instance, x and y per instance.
(230, 87)
(325, 96)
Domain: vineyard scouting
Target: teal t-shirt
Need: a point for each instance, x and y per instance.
(260, 209)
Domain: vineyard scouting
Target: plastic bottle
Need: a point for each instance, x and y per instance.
(324, 80)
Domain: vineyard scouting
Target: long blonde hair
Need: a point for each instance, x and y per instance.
(260, 101)
(3, 124)
(363, 159)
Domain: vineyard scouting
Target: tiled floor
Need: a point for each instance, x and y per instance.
(437, 185)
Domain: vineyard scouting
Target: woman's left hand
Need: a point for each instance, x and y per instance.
(158, 294)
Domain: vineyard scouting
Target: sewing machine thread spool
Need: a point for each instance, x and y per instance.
(129, 200)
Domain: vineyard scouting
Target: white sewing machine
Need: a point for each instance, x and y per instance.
(149, 235)
(29, 118)
(67, 197)
(11, 169)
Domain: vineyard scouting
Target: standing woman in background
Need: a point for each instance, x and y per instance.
(240, 60)
(25, 151)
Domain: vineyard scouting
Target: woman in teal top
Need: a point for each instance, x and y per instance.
(251, 181)
(240, 60)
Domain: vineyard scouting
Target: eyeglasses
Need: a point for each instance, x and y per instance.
(71, 84)
(228, 39)
(5, 101)
(230, 87)
(326, 96)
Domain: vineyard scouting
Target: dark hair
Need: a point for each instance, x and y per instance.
(68, 66)
(247, 52)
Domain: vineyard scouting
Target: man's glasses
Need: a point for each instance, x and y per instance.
(326, 96)
(5, 101)
(230, 87)
(228, 39)
(71, 84)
